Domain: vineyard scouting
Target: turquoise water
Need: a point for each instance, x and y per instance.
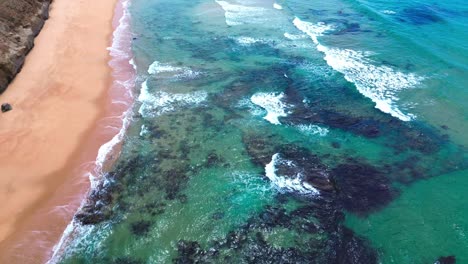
(289, 132)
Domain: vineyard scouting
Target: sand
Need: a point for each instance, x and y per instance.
(51, 136)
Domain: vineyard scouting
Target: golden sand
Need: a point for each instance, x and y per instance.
(58, 99)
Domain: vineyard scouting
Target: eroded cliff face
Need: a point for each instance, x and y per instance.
(20, 22)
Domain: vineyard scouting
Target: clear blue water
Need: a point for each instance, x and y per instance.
(289, 132)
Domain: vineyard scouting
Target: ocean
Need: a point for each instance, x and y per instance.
(287, 132)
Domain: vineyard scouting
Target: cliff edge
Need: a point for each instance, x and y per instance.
(20, 22)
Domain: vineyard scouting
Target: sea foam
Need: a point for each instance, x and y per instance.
(236, 14)
(247, 41)
(177, 72)
(378, 83)
(272, 103)
(313, 130)
(277, 6)
(293, 36)
(295, 184)
(389, 12)
(154, 104)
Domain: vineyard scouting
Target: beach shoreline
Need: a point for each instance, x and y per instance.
(66, 106)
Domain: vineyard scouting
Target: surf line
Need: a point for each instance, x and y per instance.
(123, 70)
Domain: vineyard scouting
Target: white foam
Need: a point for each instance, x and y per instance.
(277, 6)
(313, 30)
(239, 15)
(287, 183)
(163, 102)
(272, 103)
(143, 131)
(378, 83)
(250, 181)
(389, 12)
(313, 130)
(157, 67)
(132, 62)
(253, 108)
(293, 36)
(178, 72)
(247, 41)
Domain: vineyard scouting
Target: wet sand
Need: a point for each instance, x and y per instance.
(52, 135)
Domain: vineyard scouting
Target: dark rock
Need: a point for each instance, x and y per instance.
(301, 161)
(98, 207)
(6, 107)
(446, 260)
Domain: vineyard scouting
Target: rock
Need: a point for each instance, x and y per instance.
(21, 21)
(6, 107)
(446, 260)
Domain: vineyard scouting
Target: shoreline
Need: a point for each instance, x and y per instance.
(58, 126)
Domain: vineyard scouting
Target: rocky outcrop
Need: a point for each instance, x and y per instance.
(20, 22)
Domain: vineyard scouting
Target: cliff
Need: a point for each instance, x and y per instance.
(20, 22)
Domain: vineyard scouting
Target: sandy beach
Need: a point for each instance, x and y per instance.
(52, 135)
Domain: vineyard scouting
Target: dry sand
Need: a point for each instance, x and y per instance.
(58, 100)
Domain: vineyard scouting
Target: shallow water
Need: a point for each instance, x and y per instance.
(288, 132)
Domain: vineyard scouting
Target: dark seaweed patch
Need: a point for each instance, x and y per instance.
(336, 144)
(362, 188)
(189, 252)
(248, 243)
(348, 248)
(421, 15)
(140, 228)
(446, 260)
(213, 159)
(258, 148)
(126, 260)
